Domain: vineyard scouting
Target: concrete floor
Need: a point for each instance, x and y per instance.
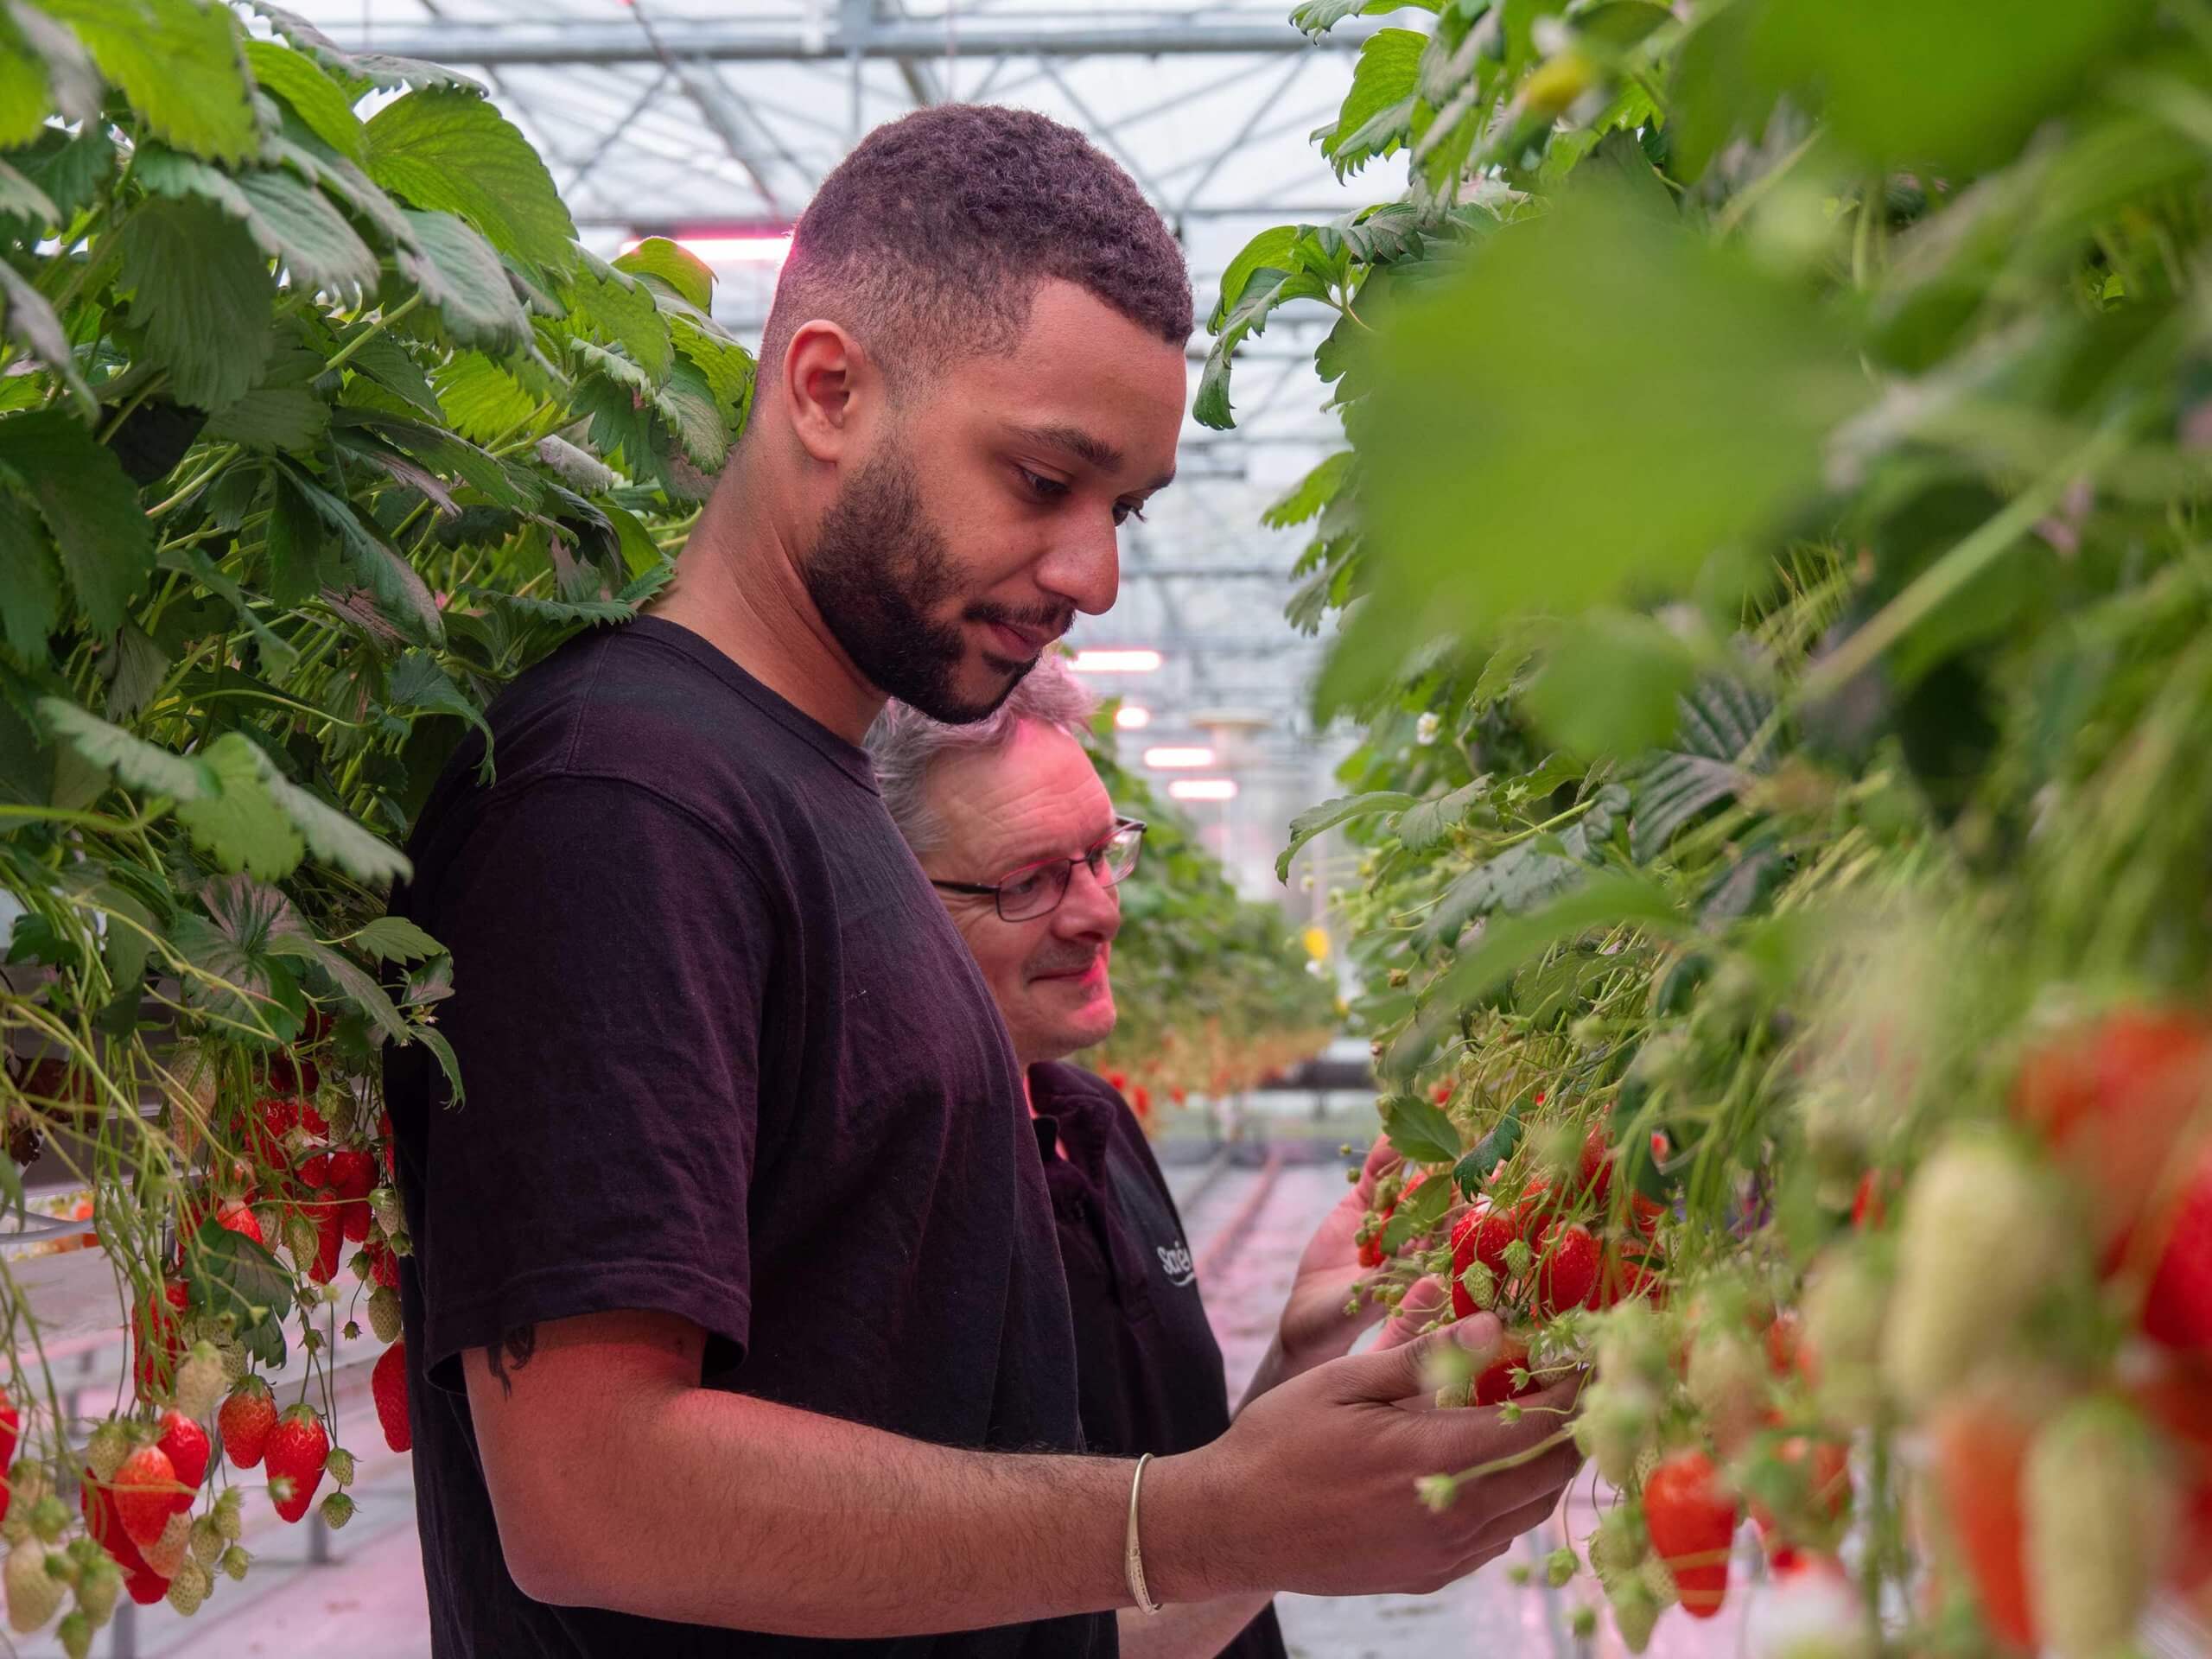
(1246, 1221)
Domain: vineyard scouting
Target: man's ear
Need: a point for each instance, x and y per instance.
(828, 382)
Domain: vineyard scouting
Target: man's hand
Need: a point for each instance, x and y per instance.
(1325, 1467)
(1315, 1328)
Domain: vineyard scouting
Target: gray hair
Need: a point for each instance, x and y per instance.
(905, 743)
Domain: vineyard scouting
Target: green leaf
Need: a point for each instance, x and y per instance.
(692, 414)
(203, 295)
(294, 222)
(20, 198)
(1247, 319)
(578, 468)
(419, 682)
(1385, 79)
(393, 587)
(24, 96)
(1527, 873)
(1605, 900)
(451, 151)
(30, 582)
(1317, 17)
(27, 319)
(1316, 819)
(675, 264)
(1508, 472)
(619, 311)
(481, 399)
(1416, 1214)
(1504, 1136)
(135, 763)
(178, 63)
(278, 418)
(463, 278)
(1419, 1130)
(394, 938)
(232, 1275)
(315, 98)
(1427, 823)
(331, 835)
(354, 983)
(728, 367)
(448, 1062)
(1269, 250)
(1311, 493)
(1609, 685)
(240, 825)
(106, 547)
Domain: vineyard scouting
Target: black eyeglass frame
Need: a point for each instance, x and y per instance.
(1095, 857)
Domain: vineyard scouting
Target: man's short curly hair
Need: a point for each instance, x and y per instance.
(930, 240)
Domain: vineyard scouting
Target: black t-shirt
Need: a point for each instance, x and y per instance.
(724, 1057)
(1148, 1370)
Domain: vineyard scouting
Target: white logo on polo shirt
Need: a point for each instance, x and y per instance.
(1175, 1262)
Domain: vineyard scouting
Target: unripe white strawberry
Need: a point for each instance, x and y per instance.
(2099, 1513)
(1620, 1543)
(173, 1548)
(188, 1588)
(98, 1587)
(230, 1515)
(1983, 1238)
(1620, 1417)
(104, 1451)
(1727, 1383)
(1635, 1610)
(199, 1381)
(1630, 1344)
(384, 1314)
(34, 1594)
(206, 1542)
(1660, 1581)
(1846, 1306)
(389, 1215)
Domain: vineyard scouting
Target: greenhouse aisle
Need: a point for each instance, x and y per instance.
(1247, 1222)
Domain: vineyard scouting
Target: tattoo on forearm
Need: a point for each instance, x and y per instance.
(514, 1350)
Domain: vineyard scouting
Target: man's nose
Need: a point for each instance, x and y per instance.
(1091, 909)
(1083, 565)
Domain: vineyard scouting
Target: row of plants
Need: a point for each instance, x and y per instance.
(1765, 561)
(317, 426)
(1215, 994)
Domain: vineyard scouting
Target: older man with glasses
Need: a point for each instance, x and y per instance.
(1010, 822)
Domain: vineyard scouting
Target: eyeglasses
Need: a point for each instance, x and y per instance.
(1036, 889)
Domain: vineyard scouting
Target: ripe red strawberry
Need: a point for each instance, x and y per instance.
(1785, 1337)
(1495, 1386)
(245, 1420)
(240, 1220)
(1481, 1236)
(1692, 1519)
(352, 1173)
(2114, 1099)
(185, 1444)
(155, 1338)
(1370, 1249)
(1981, 1451)
(315, 1169)
(11, 1427)
(1441, 1094)
(388, 1383)
(1822, 1470)
(1869, 1205)
(1595, 1173)
(329, 1234)
(2190, 1568)
(1140, 1103)
(383, 1266)
(105, 1527)
(1567, 1267)
(298, 1447)
(146, 1490)
(2177, 1307)
(391, 1151)
(1117, 1081)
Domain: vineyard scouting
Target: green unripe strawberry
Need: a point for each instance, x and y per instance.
(1846, 1306)
(75, 1633)
(1559, 1566)
(1618, 1419)
(2100, 1512)
(235, 1562)
(337, 1511)
(206, 1542)
(104, 1451)
(1727, 1383)
(34, 1594)
(383, 1313)
(230, 1515)
(188, 1588)
(98, 1587)
(1619, 1545)
(1635, 1612)
(339, 1466)
(1981, 1241)
(49, 1519)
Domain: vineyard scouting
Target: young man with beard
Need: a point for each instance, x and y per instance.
(1011, 823)
(734, 1320)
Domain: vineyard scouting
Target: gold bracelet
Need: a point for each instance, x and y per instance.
(1132, 1554)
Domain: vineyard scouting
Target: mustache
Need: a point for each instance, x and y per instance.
(1070, 963)
(1052, 620)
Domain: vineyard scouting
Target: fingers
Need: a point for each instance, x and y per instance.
(1424, 1299)
(1381, 1159)
(1400, 1372)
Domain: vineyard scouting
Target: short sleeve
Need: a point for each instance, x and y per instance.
(612, 954)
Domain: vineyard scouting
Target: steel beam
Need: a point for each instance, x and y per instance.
(1061, 36)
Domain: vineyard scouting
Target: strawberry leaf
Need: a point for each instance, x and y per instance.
(450, 150)
(394, 938)
(675, 264)
(106, 547)
(1420, 1130)
(233, 1278)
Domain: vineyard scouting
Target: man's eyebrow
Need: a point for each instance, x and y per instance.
(1076, 441)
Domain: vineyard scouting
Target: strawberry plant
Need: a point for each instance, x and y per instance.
(316, 426)
(1764, 562)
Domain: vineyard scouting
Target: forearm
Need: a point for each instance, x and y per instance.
(719, 1509)
(1192, 1631)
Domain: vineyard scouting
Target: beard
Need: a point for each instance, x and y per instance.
(879, 572)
